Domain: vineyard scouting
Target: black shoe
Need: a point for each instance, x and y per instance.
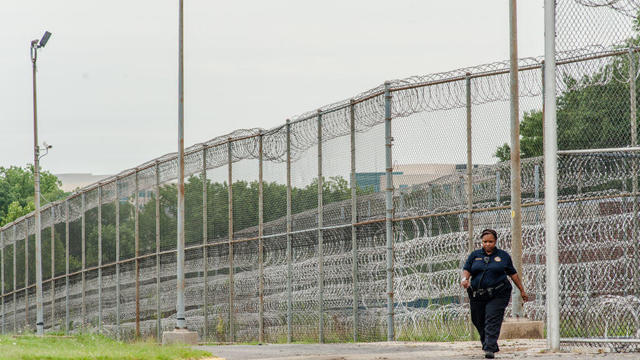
(489, 355)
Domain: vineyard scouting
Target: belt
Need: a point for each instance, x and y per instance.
(490, 290)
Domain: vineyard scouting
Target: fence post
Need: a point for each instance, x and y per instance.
(260, 241)
(498, 189)
(469, 165)
(15, 282)
(430, 207)
(117, 209)
(53, 267)
(354, 219)
(136, 244)
(66, 261)
(430, 220)
(469, 184)
(2, 274)
(231, 270)
(84, 260)
(462, 189)
(26, 272)
(205, 249)
(634, 163)
(516, 196)
(536, 184)
(320, 238)
(99, 258)
(157, 223)
(551, 180)
(289, 249)
(389, 210)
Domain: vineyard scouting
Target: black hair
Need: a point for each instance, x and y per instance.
(489, 231)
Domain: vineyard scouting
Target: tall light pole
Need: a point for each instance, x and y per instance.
(180, 320)
(180, 334)
(35, 45)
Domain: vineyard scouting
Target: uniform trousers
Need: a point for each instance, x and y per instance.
(487, 313)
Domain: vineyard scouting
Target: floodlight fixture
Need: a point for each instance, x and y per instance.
(44, 39)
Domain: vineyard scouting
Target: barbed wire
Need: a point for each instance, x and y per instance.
(627, 7)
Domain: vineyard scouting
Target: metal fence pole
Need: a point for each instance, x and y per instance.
(136, 239)
(498, 188)
(389, 210)
(205, 249)
(66, 265)
(320, 237)
(634, 163)
(516, 196)
(536, 181)
(84, 260)
(99, 259)
(289, 248)
(180, 310)
(470, 245)
(550, 179)
(53, 266)
(536, 192)
(26, 272)
(157, 223)
(542, 71)
(2, 274)
(117, 207)
(430, 220)
(354, 220)
(469, 165)
(260, 241)
(15, 282)
(232, 329)
(498, 191)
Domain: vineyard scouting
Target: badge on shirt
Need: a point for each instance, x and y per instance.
(497, 258)
(478, 258)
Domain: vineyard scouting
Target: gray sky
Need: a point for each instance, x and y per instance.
(107, 80)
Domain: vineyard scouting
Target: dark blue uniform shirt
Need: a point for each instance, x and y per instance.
(497, 265)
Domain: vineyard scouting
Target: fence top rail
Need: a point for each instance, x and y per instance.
(595, 151)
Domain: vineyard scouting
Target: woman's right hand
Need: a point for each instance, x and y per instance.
(465, 283)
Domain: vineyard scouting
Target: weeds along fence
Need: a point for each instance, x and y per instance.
(285, 228)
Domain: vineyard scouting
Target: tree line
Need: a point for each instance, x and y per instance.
(595, 111)
(245, 215)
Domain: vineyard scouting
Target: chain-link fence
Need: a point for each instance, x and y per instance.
(285, 229)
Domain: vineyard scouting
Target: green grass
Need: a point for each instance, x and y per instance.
(90, 347)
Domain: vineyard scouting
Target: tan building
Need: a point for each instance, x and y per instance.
(71, 182)
(415, 174)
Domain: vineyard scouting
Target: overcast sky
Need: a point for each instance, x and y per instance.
(107, 79)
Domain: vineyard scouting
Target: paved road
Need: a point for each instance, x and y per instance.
(510, 349)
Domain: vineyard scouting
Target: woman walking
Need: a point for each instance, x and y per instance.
(484, 275)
